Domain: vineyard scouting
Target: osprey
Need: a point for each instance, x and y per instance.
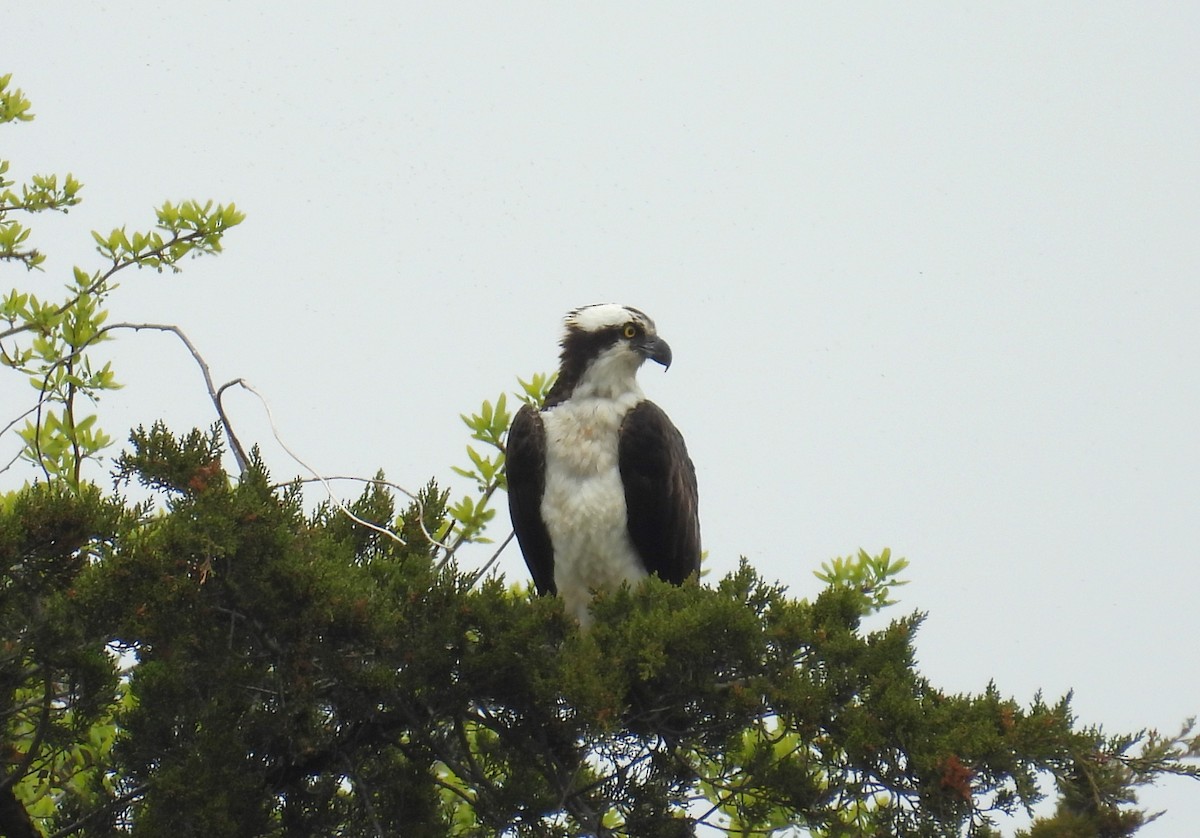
(600, 486)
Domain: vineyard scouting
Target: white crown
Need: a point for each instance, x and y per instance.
(595, 317)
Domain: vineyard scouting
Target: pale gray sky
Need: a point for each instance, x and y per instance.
(931, 273)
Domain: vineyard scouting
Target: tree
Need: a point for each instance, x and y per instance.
(221, 660)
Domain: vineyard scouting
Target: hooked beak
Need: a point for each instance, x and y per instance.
(656, 349)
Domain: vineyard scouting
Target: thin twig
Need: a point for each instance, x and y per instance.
(235, 446)
(375, 481)
(462, 536)
(9, 464)
(133, 793)
(363, 794)
(479, 573)
(245, 385)
(9, 426)
(107, 275)
(216, 394)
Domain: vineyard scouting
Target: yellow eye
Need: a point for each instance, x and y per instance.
(630, 331)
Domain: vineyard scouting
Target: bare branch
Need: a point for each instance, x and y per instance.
(461, 538)
(239, 453)
(479, 573)
(214, 395)
(363, 795)
(130, 795)
(8, 428)
(241, 382)
(374, 481)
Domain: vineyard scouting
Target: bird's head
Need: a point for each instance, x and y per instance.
(602, 349)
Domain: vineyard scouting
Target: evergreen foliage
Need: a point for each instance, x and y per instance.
(221, 661)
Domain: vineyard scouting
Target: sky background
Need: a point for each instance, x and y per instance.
(930, 271)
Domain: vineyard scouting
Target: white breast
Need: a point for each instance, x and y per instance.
(584, 501)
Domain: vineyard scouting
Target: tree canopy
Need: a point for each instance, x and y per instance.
(221, 659)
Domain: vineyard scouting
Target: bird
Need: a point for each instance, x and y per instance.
(601, 489)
